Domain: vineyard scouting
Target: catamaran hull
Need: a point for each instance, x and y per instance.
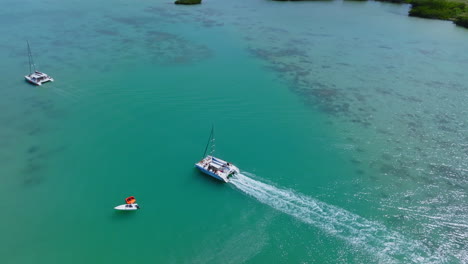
(38, 83)
(211, 174)
(217, 168)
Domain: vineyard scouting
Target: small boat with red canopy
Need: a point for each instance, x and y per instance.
(130, 204)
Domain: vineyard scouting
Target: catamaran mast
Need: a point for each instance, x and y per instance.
(210, 142)
(31, 62)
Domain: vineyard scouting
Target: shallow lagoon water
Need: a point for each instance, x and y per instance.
(353, 107)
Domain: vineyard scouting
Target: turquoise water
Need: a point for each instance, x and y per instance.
(348, 121)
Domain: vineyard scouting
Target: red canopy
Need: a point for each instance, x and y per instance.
(130, 200)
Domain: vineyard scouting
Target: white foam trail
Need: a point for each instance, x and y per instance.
(386, 245)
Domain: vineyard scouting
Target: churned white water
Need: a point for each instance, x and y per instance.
(386, 245)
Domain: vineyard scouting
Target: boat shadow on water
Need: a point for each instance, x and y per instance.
(118, 215)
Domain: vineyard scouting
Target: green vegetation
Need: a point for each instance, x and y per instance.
(462, 20)
(438, 9)
(187, 2)
(454, 10)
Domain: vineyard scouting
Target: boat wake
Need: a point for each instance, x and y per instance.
(386, 245)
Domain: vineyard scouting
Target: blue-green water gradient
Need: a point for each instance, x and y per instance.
(347, 119)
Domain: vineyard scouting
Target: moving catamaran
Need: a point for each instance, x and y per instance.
(36, 77)
(215, 167)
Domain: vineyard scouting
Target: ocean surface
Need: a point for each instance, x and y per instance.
(348, 120)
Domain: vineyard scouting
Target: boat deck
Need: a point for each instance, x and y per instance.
(38, 78)
(217, 168)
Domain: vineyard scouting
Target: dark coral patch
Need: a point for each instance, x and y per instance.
(33, 149)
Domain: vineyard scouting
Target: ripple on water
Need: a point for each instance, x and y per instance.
(135, 22)
(107, 32)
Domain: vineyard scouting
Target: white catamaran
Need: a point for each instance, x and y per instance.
(36, 77)
(213, 166)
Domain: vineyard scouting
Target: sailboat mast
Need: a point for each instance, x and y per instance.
(210, 140)
(31, 62)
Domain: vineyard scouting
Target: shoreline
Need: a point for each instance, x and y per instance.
(450, 10)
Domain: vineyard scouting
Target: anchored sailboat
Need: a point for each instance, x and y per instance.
(213, 166)
(36, 77)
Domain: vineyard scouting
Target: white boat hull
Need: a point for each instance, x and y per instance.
(217, 168)
(38, 78)
(127, 207)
